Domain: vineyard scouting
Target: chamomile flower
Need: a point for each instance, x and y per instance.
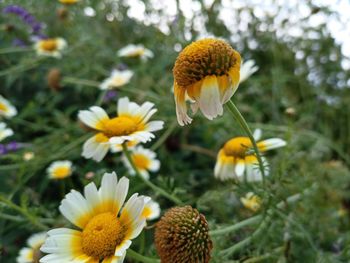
(131, 124)
(117, 79)
(151, 210)
(51, 47)
(6, 108)
(32, 254)
(115, 148)
(4, 131)
(144, 160)
(248, 68)
(105, 229)
(68, 2)
(208, 72)
(251, 201)
(236, 159)
(135, 51)
(60, 169)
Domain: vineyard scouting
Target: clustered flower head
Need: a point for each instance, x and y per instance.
(60, 170)
(117, 79)
(182, 235)
(105, 224)
(236, 159)
(144, 160)
(50, 47)
(251, 201)
(207, 71)
(32, 253)
(131, 124)
(7, 110)
(132, 50)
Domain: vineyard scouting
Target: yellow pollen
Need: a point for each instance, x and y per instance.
(119, 126)
(3, 107)
(48, 44)
(61, 172)
(141, 161)
(102, 235)
(204, 58)
(137, 52)
(237, 147)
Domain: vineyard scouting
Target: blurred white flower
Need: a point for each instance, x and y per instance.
(248, 68)
(117, 79)
(144, 160)
(32, 254)
(50, 47)
(237, 160)
(27, 156)
(60, 169)
(135, 51)
(6, 108)
(4, 131)
(151, 210)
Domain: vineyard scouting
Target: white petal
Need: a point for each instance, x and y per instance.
(209, 99)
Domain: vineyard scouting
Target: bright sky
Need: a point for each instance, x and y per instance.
(296, 11)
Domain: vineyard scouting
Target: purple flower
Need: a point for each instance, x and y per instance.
(111, 94)
(10, 147)
(25, 16)
(18, 43)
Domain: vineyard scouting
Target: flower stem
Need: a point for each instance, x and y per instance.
(240, 119)
(148, 182)
(137, 257)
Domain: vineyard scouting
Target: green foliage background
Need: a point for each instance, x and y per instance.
(311, 230)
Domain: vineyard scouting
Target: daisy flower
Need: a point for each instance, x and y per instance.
(105, 229)
(144, 160)
(60, 169)
(251, 201)
(32, 254)
(236, 158)
(68, 2)
(135, 51)
(4, 132)
(50, 47)
(208, 72)
(248, 68)
(6, 108)
(117, 79)
(131, 124)
(115, 148)
(151, 210)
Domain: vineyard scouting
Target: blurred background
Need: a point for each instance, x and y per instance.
(300, 93)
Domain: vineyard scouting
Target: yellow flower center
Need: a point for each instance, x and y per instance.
(204, 58)
(48, 44)
(61, 172)
(3, 107)
(118, 81)
(100, 137)
(237, 147)
(137, 52)
(252, 202)
(119, 126)
(146, 213)
(102, 235)
(141, 161)
(68, 2)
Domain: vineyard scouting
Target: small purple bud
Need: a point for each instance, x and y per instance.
(111, 94)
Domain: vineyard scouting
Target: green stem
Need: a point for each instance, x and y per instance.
(265, 256)
(233, 228)
(137, 257)
(148, 182)
(164, 136)
(84, 82)
(240, 119)
(14, 50)
(24, 212)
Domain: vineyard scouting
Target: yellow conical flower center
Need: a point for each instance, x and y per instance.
(61, 172)
(141, 161)
(102, 235)
(119, 126)
(204, 58)
(237, 147)
(48, 44)
(3, 107)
